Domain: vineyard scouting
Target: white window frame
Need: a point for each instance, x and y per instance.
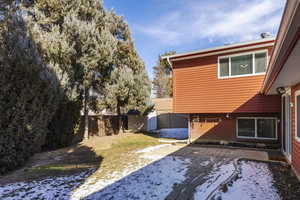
(242, 54)
(256, 137)
(297, 93)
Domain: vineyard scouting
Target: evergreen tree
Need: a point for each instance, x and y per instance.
(52, 53)
(28, 93)
(77, 43)
(162, 82)
(128, 86)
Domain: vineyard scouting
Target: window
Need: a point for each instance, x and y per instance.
(257, 128)
(242, 65)
(260, 62)
(246, 127)
(297, 113)
(266, 128)
(224, 67)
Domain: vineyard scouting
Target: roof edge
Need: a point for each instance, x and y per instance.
(280, 39)
(220, 48)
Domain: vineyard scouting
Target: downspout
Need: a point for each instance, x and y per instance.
(189, 118)
(169, 62)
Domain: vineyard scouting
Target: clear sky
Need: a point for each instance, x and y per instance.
(184, 25)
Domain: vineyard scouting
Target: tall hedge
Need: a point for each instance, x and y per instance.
(64, 125)
(28, 95)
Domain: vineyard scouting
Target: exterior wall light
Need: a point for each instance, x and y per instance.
(280, 90)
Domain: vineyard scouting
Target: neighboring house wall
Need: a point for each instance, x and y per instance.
(197, 89)
(166, 118)
(163, 105)
(172, 120)
(295, 143)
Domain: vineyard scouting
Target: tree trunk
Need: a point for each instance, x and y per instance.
(86, 114)
(120, 123)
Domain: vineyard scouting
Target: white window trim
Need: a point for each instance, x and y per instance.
(255, 137)
(241, 54)
(297, 93)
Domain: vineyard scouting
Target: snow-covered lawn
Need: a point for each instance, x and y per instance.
(174, 133)
(50, 188)
(150, 177)
(154, 181)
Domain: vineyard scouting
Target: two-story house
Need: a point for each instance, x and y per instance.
(245, 92)
(220, 90)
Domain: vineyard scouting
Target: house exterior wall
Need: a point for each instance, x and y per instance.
(163, 105)
(295, 143)
(197, 89)
(218, 126)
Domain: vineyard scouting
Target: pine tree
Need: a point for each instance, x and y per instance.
(128, 86)
(162, 82)
(77, 43)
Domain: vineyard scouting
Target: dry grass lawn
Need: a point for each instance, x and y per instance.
(104, 154)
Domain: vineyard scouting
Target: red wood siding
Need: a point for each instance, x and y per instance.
(295, 143)
(197, 89)
(216, 127)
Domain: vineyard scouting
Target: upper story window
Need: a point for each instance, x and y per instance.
(245, 64)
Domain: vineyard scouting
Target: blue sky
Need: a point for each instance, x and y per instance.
(185, 25)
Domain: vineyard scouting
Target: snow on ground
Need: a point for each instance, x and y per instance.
(255, 182)
(154, 181)
(174, 133)
(151, 178)
(219, 174)
(153, 148)
(50, 188)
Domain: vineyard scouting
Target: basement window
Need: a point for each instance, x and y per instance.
(257, 128)
(245, 64)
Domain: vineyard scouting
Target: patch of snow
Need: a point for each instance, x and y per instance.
(172, 141)
(50, 188)
(205, 163)
(219, 174)
(154, 181)
(153, 148)
(256, 182)
(174, 133)
(152, 157)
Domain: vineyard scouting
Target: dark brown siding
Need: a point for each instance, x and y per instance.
(295, 143)
(197, 89)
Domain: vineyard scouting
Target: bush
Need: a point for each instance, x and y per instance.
(63, 125)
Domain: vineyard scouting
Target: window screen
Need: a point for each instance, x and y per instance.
(260, 62)
(246, 127)
(241, 65)
(266, 128)
(224, 67)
